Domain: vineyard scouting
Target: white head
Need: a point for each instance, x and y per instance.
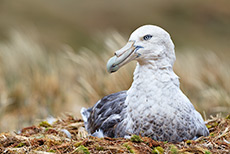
(147, 43)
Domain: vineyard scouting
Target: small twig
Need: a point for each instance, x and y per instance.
(57, 150)
(224, 133)
(226, 141)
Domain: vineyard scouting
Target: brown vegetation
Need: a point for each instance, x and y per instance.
(67, 135)
(36, 83)
(39, 76)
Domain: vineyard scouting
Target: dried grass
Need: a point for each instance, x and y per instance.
(36, 82)
(64, 135)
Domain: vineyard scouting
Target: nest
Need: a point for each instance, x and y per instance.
(67, 135)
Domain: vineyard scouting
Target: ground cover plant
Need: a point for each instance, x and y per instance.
(67, 135)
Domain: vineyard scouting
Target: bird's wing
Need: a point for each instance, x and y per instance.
(105, 114)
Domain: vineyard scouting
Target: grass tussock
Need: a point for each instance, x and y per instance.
(204, 79)
(36, 82)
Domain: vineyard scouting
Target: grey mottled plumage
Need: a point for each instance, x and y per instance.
(154, 106)
(106, 114)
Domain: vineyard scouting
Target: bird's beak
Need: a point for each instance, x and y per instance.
(123, 56)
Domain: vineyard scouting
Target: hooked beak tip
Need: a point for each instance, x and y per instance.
(111, 66)
(123, 56)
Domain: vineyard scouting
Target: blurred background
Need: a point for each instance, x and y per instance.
(53, 53)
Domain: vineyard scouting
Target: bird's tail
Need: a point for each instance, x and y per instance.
(85, 113)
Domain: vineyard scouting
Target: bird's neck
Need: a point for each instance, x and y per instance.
(153, 71)
(151, 81)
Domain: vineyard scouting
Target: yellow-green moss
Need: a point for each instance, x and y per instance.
(77, 144)
(53, 151)
(211, 134)
(128, 147)
(20, 145)
(136, 138)
(99, 148)
(82, 150)
(188, 141)
(45, 124)
(207, 152)
(174, 149)
(158, 150)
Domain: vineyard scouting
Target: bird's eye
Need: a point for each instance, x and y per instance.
(147, 37)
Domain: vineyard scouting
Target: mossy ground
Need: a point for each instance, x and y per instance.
(54, 138)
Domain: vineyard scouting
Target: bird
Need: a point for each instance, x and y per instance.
(154, 106)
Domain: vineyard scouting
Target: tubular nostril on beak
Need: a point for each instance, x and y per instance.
(129, 47)
(119, 53)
